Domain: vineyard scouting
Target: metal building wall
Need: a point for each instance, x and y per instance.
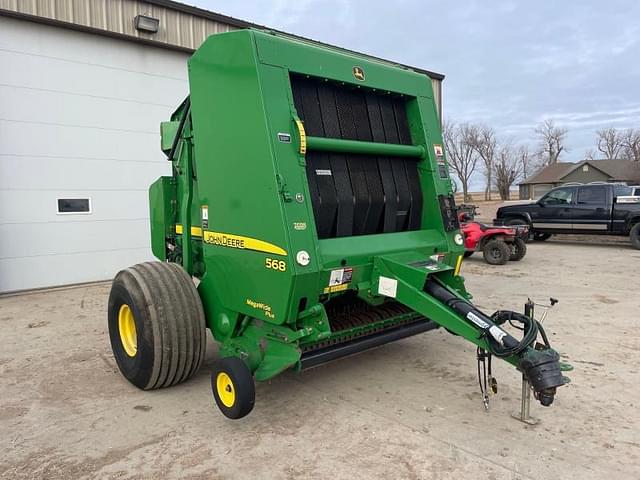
(79, 119)
(116, 16)
(181, 26)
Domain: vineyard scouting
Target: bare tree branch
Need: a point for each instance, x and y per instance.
(461, 155)
(631, 144)
(609, 143)
(552, 140)
(483, 140)
(528, 163)
(590, 154)
(508, 168)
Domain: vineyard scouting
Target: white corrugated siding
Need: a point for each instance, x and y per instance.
(79, 118)
(178, 29)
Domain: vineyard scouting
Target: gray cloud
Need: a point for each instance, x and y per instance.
(508, 64)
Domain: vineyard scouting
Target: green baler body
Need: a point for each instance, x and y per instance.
(238, 211)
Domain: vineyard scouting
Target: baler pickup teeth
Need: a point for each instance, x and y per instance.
(357, 326)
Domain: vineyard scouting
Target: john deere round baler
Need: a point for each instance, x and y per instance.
(309, 216)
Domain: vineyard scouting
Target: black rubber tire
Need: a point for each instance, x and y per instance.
(468, 253)
(519, 221)
(634, 236)
(169, 322)
(516, 221)
(541, 237)
(241, 383)
(496, 252)
(518, 250)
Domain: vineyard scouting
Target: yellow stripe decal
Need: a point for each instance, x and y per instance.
(303, 137)
(456, 272)
(195, 231)
(244, 243)
(234, 241)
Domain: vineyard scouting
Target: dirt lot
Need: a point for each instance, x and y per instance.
(407, 410)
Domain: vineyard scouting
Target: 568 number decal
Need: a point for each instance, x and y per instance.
(279, 265)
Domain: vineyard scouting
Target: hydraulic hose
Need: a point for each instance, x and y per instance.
(541, 367)
(530, 327)
(501, 344)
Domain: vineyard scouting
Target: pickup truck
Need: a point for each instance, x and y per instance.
(594, 209)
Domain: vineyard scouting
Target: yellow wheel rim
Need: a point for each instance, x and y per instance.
(226, 390)
(127, 328)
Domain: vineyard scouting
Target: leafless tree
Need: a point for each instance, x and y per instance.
(527, 162)
(462, 157)
(631, 144)
(590, 154)
(609, 142)
(508, 168)
(485, 144)
(552, 140)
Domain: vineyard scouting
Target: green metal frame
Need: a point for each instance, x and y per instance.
(231, 163)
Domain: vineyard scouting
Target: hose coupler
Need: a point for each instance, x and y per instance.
(542, 369)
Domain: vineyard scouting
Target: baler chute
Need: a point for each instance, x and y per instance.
(311, 203)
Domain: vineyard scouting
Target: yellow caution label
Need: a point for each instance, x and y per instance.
(456, 272)
(336, 288)
(303, 136)
(195, 231)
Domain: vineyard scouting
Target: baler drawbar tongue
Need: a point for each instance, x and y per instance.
(419, 283)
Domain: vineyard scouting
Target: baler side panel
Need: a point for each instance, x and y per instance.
(162, 194)
(434, 174)
(235, 168)
(295, 197)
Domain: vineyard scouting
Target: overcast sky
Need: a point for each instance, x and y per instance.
(510, 65)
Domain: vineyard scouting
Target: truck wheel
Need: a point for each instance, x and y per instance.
(518, 250)
(233, 387)
(496, 252)
(156, 325)
(634, 236)
(541, 237)
(516, 221)
(519, 221)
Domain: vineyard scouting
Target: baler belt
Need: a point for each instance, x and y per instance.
(356, 194)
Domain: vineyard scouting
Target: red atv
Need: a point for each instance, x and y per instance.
(498, 244)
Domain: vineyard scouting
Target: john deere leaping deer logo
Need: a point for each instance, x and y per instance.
(358, 73)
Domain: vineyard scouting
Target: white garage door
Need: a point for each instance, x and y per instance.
(79, 120)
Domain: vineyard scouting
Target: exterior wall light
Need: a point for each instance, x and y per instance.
(147, 24)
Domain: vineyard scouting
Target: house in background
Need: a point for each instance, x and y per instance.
(585, 171)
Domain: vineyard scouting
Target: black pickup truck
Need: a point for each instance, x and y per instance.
(594, 209)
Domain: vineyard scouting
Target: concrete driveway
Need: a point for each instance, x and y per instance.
(410, 410)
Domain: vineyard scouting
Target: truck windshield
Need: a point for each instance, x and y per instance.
(558, 197)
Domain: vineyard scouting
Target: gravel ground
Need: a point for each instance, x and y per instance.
(410, 409)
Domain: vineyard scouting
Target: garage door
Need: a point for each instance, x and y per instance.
(79, 146)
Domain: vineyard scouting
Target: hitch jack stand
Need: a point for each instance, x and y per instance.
(525, 405)
(525, 402)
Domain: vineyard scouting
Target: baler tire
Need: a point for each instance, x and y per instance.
(518, 250)
(634, 236)
(496, 252)
(232, 379)
(168, 339)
